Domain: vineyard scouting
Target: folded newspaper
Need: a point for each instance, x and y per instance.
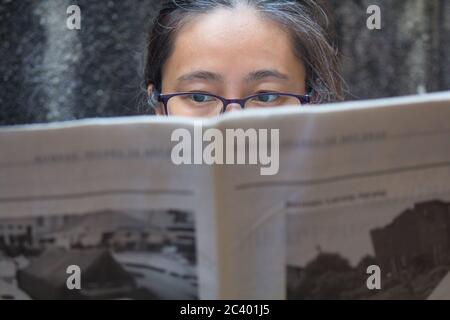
(351, 202)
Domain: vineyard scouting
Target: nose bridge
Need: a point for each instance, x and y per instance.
(233, 105)
(232, 93)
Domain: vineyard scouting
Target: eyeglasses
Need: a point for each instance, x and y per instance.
(199, 104)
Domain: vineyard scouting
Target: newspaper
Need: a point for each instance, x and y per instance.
(359, 207)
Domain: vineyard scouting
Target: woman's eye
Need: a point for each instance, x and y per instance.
(200, 98)
(267, 98)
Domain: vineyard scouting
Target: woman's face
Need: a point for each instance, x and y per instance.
(233, 53)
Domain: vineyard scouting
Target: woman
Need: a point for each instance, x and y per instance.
(207, 57)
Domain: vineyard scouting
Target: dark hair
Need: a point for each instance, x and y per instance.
(306, 21)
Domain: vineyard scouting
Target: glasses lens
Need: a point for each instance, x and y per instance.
(194, 105)
(267, 100)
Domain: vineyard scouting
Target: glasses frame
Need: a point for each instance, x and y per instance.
(164, 98)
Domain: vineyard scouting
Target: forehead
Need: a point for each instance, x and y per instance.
(231, 41)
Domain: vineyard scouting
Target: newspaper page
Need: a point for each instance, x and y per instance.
(359, 209)
(105, 196)
(95, 209)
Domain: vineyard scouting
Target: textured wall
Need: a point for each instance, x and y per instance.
(410, 53)
(49, 73)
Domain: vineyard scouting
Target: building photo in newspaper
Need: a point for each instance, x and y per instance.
(329, 252)
(121, 255)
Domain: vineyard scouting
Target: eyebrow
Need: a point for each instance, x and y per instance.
(263, 74)
(251, 77)
(201, 75)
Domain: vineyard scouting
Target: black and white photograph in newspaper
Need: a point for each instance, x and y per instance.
(120, 255)
(333, 253)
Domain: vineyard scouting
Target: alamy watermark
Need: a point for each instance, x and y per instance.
(73, 21)
(73, 281)
(233, 146)
(374, 19)
(374, 280)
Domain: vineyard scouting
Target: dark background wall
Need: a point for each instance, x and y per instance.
(49, 73)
